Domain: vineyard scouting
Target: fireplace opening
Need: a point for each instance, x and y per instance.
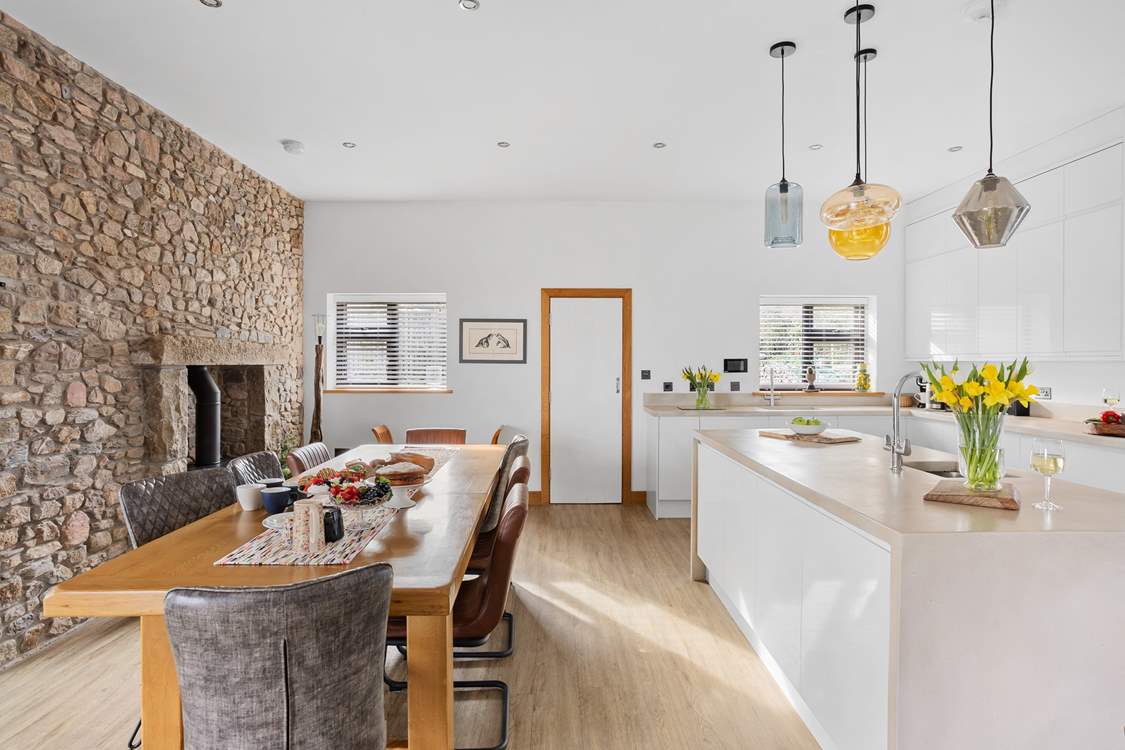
(208, 417)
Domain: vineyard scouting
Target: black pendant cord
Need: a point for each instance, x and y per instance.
(865, 119)
(783, 117)
(858, 23)
(991, 75)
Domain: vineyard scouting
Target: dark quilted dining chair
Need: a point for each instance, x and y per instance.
(254, 467)
(159, 505)
(304, 458)
(296, 666)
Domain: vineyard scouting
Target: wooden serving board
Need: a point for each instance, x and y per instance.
(954, 491)
(828, 437)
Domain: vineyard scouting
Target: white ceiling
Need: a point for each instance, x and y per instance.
(582, 88)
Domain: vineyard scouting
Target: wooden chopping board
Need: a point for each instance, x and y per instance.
(954, 491)
(828, 437)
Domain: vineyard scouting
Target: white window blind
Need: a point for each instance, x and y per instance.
(825, 333)
(387, 341)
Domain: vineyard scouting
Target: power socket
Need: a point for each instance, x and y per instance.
(1044, 393)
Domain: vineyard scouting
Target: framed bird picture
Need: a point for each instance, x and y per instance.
(494, 341)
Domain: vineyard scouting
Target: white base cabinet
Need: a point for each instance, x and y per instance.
(810, 591)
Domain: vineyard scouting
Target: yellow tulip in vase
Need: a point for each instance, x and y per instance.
(701, 380)
(979, 403)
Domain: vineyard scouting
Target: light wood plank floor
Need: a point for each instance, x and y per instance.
(616, 648)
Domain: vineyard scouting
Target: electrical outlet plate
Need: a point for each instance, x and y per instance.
(1044, 393)
(667, 386)
(646, 374)
(735, 386)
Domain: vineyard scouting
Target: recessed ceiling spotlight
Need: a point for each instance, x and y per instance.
(212, 3)
(469, 4)
(348, 144)
(503, 144)
(660, 144)
(954, 149)
(815, 146)
(292, 147)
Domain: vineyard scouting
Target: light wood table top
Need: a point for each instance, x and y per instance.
(428, 546)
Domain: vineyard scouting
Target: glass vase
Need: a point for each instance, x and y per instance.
(980, 456)
(702, 397)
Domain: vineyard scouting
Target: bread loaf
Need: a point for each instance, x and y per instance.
(419, 459)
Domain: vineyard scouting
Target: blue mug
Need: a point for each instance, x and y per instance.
(276, 499)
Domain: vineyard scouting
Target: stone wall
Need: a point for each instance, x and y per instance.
(118, 226)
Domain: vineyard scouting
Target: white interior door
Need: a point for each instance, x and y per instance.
(585, 400)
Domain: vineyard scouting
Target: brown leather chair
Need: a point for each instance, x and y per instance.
(304, 458)
(482, 550)
(479, 608)
(435, 436)
(382, 434)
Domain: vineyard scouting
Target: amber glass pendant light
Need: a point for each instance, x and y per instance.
(858, 217)
(784, 212)
(993, 209)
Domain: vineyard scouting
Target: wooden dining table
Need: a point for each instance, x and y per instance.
(428, 546)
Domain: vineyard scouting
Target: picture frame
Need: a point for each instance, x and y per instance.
(492, 341)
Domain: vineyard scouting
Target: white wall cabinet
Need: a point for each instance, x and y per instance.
(1054, 292)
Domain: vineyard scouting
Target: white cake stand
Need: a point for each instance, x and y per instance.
(400, 496)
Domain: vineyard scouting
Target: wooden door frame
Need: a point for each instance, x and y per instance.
(626, 296)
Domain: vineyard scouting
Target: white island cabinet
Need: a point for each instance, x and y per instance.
(891, 622)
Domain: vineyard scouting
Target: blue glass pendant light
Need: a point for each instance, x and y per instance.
(784, 199)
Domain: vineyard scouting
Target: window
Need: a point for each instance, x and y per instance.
(829, 334)
(387, 341)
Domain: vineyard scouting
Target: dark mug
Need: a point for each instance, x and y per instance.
(275, 499)
(333, 525)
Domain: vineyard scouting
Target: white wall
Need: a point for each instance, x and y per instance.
(696, 271)
(1072, 382)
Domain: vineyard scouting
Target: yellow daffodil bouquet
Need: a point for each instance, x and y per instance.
(701, 379)
(979, 402)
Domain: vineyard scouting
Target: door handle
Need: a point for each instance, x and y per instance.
(618, 385)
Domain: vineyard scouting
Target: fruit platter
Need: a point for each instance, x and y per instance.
(1110, 423)
(355, 484)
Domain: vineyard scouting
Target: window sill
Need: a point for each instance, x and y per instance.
(388, 390)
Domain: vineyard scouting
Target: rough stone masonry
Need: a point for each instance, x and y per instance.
(117, 225)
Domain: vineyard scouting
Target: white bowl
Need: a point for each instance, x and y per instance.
(807, 429)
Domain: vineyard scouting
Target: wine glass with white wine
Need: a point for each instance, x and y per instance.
(1111, 397)
(1047, 458)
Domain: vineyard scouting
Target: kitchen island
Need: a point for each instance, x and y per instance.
(891, 622)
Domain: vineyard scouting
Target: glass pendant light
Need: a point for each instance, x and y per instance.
(784, 212)
(858, 217)
(993, 209)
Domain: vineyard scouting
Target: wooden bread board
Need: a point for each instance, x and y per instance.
(954, 491)
(828, 437)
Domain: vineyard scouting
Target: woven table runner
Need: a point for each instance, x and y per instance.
(272, 546)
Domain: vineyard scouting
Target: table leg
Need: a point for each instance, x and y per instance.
(430, 674)
(161, 722)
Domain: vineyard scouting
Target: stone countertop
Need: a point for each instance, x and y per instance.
(853, 482)
(1061, 429)
(767, 411)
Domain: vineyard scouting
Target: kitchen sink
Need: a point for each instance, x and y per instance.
(946, 469)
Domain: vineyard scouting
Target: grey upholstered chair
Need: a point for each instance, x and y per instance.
(304, 458)
(297, 666)
(516, 448)
(254, 467)
(159, 505)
